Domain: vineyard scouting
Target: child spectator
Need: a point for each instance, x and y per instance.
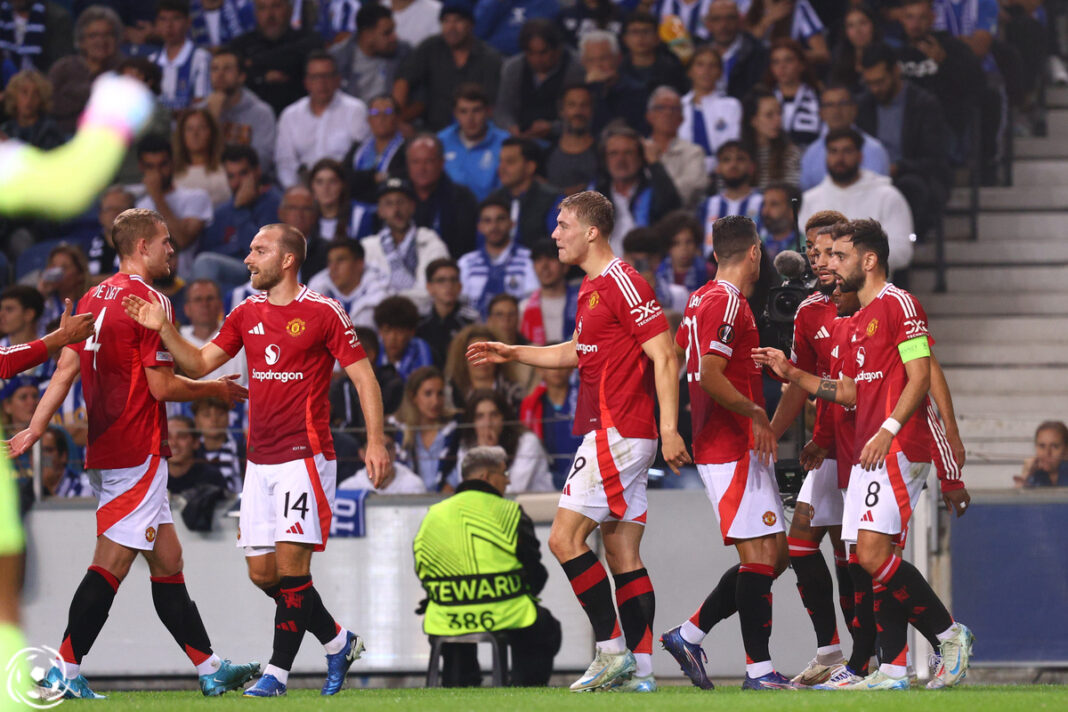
(218, 445)
(396, 319)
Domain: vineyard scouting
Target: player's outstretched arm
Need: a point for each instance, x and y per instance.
(918, 372)
(72, 329)
(661, 351)
(944, 402)
(843, 391)
(556, 356)
(379, 464)
(165, 386)
(715, 383)
(194, 362)
(66, 371)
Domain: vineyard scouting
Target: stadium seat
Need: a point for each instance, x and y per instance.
(500, 655)
(36, 257)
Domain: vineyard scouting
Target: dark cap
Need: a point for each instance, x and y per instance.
(395, 185)
(13, 384)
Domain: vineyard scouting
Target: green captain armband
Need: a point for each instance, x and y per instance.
(917, 347)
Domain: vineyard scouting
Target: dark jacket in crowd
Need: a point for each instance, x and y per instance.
(452, 212)
(287, 54)
(622, 99)
(924, 134)
(433, 77)
(748, 67)
(654, 197)
(520, 102)
(957, 82)
(537, 211)
(666, 70)
(44, 134)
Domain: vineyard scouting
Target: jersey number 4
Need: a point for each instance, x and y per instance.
(300, 504)
(93, 342)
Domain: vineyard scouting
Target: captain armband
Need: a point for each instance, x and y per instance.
(914, 348)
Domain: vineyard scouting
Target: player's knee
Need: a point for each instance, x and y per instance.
(262, 578)
(870, 559)
(563, 546)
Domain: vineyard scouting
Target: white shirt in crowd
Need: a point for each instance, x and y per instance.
(404, 482)
(360, 303)
(529, 469)
(417, 21)
(723, 122)
(304, 138)
(199, 72)
(872, 196)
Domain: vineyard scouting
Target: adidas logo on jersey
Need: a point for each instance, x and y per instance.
(822, 333)
(257, 330)
(834, 352)
(297, 529)
(867, 517)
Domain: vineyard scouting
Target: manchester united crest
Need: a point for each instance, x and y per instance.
(595, 299)
(150, 534)
(769, 518)
(296, 327)
(873, 326)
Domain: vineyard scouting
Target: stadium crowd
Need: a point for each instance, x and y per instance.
(423, 148)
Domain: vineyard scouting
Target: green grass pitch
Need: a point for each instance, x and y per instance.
(1029, 698)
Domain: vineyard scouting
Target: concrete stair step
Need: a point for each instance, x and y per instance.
(1037, 331)
(1014, 198)
(998, 252)
(1024, 406)
(1043, 226)
(1025, 148)
(1043, 172)
(997, 475)
(991, 303)
(1057, 122)
(995, 428)
(1050, 381)
(1043, 279)
(1057, 97)
(971, 354)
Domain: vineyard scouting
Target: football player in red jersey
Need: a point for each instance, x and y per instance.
(890, 343)
(819, 503)
(735, 450)
(622, 348)
(292, 337)
(126, 375)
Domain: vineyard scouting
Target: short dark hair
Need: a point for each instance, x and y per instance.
(527, 148)
(346, 243)
(728, 145)
(293, 241)
(639, 17)
(398, 312)
(470, 91)
(502, 297)
(319, 55)
(824, 219)
(369, 15)
(154, 143)
(204, 280)
(644, 240)
(60, 436)
(27, 297)
(544, 247)
(847, 132)
(368, 338)
(876, 54)
(869, 236)
(179, 6)
(146, 68)
(133, 225)
(592, 208)
(541, 28)
(234, 152)
(791, 191)
(227, 49)
(732, 236)
(679, 221)
(440, 263)
(495, 201)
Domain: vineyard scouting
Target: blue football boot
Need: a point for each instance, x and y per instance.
(266, 686)
(227, 677)
(771, 681)
(690, 657)
(72, 688)
(338, 664)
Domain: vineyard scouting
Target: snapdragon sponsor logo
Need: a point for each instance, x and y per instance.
(586, 348)
(868, 376)
(283, 376)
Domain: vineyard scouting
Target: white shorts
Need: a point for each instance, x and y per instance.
(132, 503)
(290, 501)
(608, 477)
(883, 500)
(746, 497)
(820, 491)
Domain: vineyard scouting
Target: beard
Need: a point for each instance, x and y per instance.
(846, 175)
(852, 282)
(265, 279)
(826, 289)
(734, 183)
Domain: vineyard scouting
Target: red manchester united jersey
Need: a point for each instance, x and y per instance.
(617, 313)
(291, 351)
(812, 344)
(890, 319)
(834, 431)
(126, 424)
(718, 321)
